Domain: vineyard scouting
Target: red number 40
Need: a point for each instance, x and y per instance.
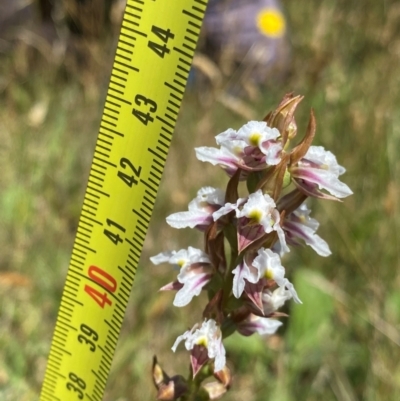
(104, 280)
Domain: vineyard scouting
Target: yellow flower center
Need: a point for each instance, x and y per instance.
(202, 341)
(181, 263)
(268, 274)
(255, 215)
(254, 138)
(270, 22)
(303, 219)
(237, 150)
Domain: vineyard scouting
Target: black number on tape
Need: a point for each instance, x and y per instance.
(114, 237)
(143, 101)
(126, 178)
(77, 385)
(165, 35)
(88, 337)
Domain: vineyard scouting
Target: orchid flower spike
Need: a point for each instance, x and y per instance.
(246, 284)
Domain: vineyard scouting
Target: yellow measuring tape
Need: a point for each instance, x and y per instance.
(148, 79)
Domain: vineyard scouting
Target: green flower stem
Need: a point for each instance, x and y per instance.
(195, 392)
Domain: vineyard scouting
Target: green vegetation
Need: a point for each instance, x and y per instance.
(342, 343)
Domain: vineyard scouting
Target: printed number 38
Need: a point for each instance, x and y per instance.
(76, 384)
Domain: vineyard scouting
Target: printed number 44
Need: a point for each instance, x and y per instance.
(164, 35)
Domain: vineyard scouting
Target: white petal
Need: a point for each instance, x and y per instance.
(325, 179)
(318, 154)
(273, 301)
(282, 240)
(240, 273)
(213, 196)
(268, 261)
(228, 207)
(179, 339)
(227, 135)
(315, 241)
(256, 324)
(267, 326)
(220, 359)
(197, 255)
(287, 284)
(224, 210)
(272, 151)
(216, 156)
(321, 167)
(162, 257)
(191, 289)
(319, 245)
(189, 219)
(189, 256)
(257, 202)
(256, 132)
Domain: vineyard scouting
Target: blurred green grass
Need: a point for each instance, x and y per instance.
(342, 343)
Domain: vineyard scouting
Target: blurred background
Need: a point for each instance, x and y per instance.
(342, 55)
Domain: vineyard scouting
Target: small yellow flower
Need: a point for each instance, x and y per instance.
(270, 22)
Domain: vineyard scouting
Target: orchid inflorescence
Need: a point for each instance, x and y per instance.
(246, 285)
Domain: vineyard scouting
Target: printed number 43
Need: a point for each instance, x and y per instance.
(145, 104)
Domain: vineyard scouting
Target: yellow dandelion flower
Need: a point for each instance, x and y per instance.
(271, 22)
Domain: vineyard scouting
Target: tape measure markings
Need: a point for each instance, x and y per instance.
(91, 267)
